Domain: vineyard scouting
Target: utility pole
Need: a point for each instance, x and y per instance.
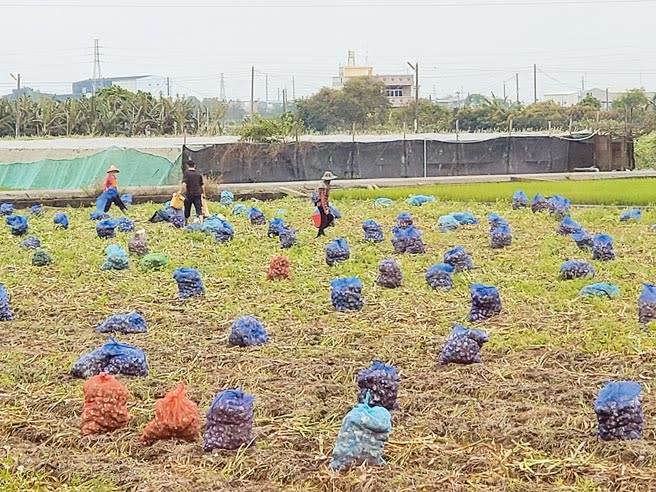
(252, 90)
(517, 86)
(607, 102)
(18, 118)
(266, 89)
(535, 83)
(222, 92)
(168, 86)
(284, 101)
(96, 66)
(504, 91)
(293, 89)
(415, 67)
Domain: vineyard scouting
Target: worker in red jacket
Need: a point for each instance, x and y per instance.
(323, 204)
(111, 184)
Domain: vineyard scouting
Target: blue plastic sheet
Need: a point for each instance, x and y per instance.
(127, 199)
(106, 229)
(229, 421)
(419, 200)
(459, 259)
(633, 214)
(275, 226)
(346, 294)
(602, 248)
(572, 269)
(465, 218)
(337, 251)
(463, 346)
(113, 358)
(600, 289)
(247, 331)
(221, 229)
(226, 198)
(383, 202)
(117, 258)
(373, 231)
(519, 200)
(61, 220)
(439, 276)
(486, 302)
(619, 412)
(189, 282)
(568, 226)
(362, 437)
(6, 208)
(6, 314)
(18, 224)
(123, 323)
(408, 240)
(381, 381)
(104, 198)
(447, 223)
(31, 242)
(36, 209)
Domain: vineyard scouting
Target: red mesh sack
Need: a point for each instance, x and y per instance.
(105, 404)
(279, 268)
(175, 416)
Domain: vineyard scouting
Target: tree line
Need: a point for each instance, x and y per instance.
(360, 106)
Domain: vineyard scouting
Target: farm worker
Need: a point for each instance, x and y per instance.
(193, 189)
(322, 203)
(110, 186)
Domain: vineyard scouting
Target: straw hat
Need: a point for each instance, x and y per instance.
(113, 169)
(328, 176)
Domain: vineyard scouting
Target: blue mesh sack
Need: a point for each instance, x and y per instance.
(539, 203)
(465, 218)
(6, 314)
(373, 231)
(256, 216)
(459, 259)
(500, 236)
(18, 224)
(602, 248)
(568, 226)
(275, 225)
(106, 229)
(633, 214)
(404, 220)
(127, 199)
(600, 289)
(6, 209)
(104, 198)
(163, 215)
(117, 258)
(229, 421)
(408, 240)
(576, 269)
(439, 276)
(447, 223)
(176, 218)
(495, 220)
(362, 437)
(36, 209)
(463, 346)
(189, 282)
(61, 220)
(287, 237)
(419, 200)
(247, 331)
(99, 215)
(382, 383)
(619, 412)
(389, 274)
(113, 358)
(382, 202)
(226, 198)
(337, 251)
(123, 323)
(647, 304)
(485, 302)
(519, 200)
(346, 294)
(334, 212)
(221, 229)
(31, 242)
(193, 228)
(583, 239)
(239, 209)
(558, 205)
(41, 258)
(124, 225)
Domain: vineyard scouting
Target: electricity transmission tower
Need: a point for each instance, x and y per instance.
(97, 74)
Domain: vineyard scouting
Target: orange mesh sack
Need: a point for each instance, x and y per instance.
(105, 404)
(279, 268)
(175, 416)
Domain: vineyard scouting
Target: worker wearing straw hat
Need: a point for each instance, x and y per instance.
(322, 203)
(110, 187)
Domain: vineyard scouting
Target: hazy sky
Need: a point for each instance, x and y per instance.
(469, 45)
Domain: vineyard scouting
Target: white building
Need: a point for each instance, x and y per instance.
(563, 98)
(153, 84)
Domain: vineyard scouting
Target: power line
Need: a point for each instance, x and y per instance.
(476, 3)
